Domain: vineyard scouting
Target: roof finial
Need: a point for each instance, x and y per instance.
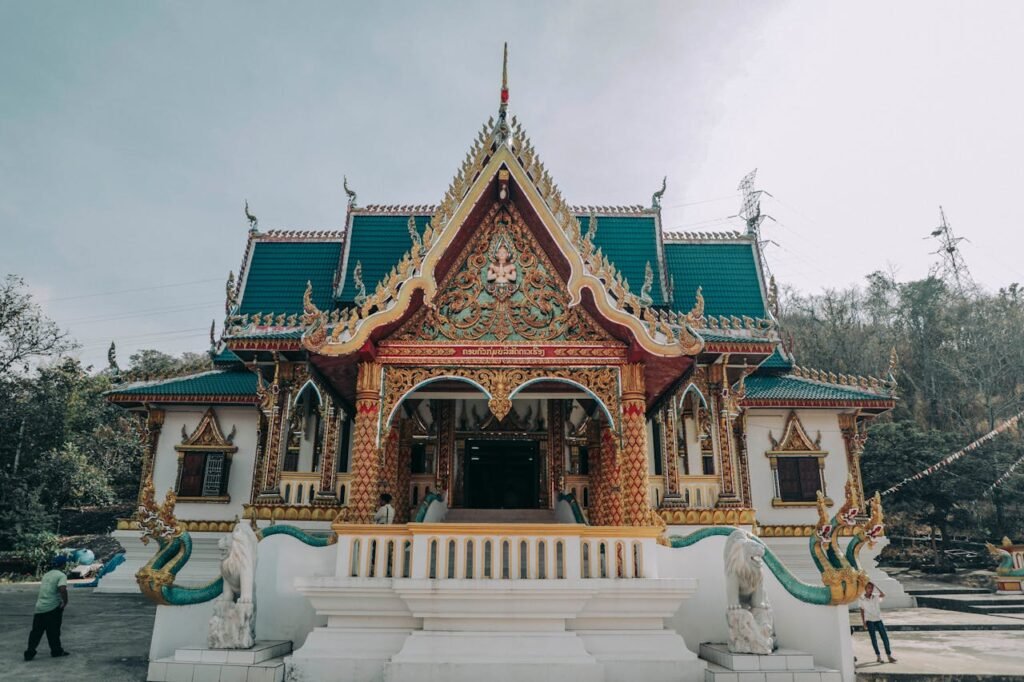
(502, 130)
(253, 221)
(504, 82)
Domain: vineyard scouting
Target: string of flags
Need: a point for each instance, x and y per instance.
(970, 447)
(1002, 479)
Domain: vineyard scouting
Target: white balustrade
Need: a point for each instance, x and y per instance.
(442, 551)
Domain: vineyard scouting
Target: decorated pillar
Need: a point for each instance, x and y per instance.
(445, 445)
(719, 381)
(389, 464)
(739, 426)
(611, 478)
(670, 447)
(597, 497)
(365, 461)
(274, 403)
(853, 440)
(635, 477)
(556, 448)
(403, 500)
(151, 438)
(329, 454)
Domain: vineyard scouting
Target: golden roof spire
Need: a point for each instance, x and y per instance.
(504, 83)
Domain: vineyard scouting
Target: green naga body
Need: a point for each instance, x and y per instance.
(1005, 568)
(842, 578)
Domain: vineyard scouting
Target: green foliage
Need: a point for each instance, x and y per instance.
(960, 372)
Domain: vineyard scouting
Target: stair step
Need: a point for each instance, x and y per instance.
(937, 591)
(717, 673)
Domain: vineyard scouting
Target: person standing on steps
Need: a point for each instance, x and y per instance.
(53, 599)
(871, 616)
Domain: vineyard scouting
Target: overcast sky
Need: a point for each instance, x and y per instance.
(132, 132)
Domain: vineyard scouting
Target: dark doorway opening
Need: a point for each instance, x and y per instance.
(502, 474)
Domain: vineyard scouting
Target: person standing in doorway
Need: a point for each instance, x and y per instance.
(385, 513)
(871, 616)
(50, 605)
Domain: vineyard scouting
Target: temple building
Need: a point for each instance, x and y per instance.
(547, 391)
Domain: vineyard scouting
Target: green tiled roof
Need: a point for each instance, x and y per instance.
(784, 387)
(226, 357)
(378, 242)
(630, 243)
(217, 382)
(725, 271)
(276, 277)
(776, 362)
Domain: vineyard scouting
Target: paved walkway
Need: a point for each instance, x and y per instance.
(997, 653)
(107, 635)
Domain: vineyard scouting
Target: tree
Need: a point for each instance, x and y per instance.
(25, 332)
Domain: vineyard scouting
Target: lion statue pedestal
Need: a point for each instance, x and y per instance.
(233, 624)
(749, 615)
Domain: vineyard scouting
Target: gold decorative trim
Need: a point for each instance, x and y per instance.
(284, 512)
(508, 530)
(798, 531)
(218, 499)
(778, 502)
(708, 517)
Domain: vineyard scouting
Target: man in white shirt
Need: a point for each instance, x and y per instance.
(871, 616)
(385, 513)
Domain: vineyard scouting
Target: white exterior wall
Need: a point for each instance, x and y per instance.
(165, 465)
(762, 479)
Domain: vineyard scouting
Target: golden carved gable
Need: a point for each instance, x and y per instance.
(502, 288)
(795, 438)
(207, 436)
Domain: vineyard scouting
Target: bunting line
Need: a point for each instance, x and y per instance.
(970, 447)
(1002, 479)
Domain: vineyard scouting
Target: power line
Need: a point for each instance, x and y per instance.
(127, 291)
(184, 307)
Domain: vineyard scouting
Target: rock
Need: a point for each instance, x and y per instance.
(233, 625)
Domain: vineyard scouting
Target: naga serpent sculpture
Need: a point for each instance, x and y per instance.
(174, 548)
(842, 578)
(1005, 569)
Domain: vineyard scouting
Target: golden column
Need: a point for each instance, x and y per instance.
(365, 462)
(556, 449)
(403, 500)
(151, 436)
(670, 446)
(389, 464)
(329, 454)
(597, 501)
(611, 479)
(853, 439)
(719, 379)
(636, 507)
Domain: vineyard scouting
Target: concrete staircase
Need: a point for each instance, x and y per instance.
(785, 665)
(969, 601)
(262, 663)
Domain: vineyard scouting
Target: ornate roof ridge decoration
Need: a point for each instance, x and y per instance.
(868, 384)
(794, 437)
(300, 235)
(240, 324)
(732, 323)
(662, 333)
(725, 236)
(395, 209)
(582, 211)
(133, 380)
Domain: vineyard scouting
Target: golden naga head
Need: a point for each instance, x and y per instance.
(157, 521)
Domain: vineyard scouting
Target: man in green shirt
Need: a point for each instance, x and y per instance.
(53, 598)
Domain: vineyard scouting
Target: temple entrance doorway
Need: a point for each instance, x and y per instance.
(502, 474)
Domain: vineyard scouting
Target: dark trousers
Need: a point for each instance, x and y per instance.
(49, 623)
(879, 627)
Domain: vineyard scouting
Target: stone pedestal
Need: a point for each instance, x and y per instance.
(264, 662)
(233, 625)
(784, 665)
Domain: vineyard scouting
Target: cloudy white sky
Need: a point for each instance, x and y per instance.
(131, 133)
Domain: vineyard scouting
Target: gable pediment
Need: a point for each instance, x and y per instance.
(590, 278)
(503, 287)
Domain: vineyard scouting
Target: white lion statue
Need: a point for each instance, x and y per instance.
(234, 613)
(751, 625)
(238, 563)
